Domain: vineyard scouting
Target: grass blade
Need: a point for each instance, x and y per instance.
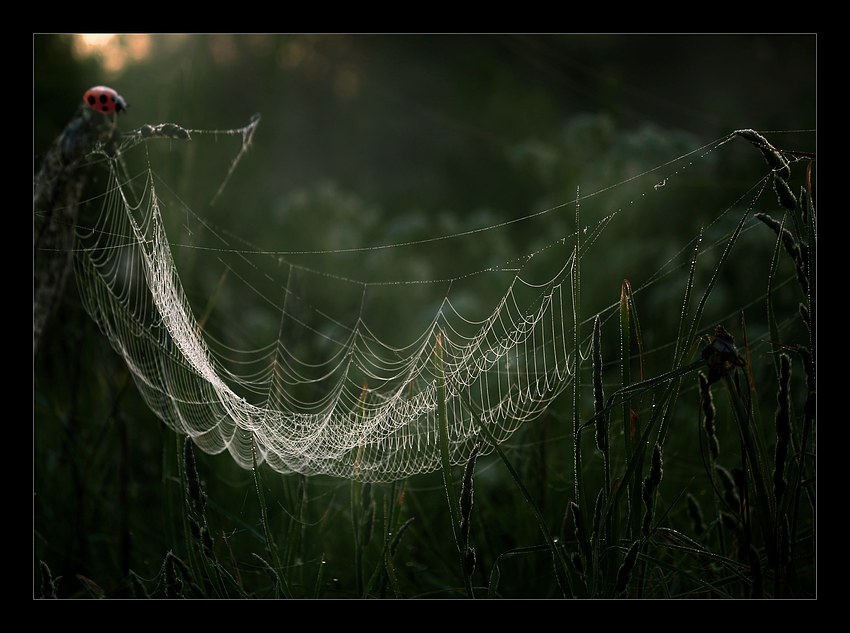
(264, 519)
(443, 423)
(496, 574)
(557, 552)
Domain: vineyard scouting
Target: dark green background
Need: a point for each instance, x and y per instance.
(369, 140)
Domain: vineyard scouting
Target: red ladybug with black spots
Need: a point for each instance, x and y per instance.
(105, 100)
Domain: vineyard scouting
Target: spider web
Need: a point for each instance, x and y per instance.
(330, 360)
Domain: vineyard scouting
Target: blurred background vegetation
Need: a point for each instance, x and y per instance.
(369, 140)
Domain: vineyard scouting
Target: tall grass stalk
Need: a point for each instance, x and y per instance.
(630, 429)
(802, 451)
(771, 313)
(757, 464)
(562, 568)
(199, 544)
(599, 402)
(443, 424)
(357, 511)
(811, 308)
(198, 566)
(271, 545)
(604, 529)
(495, 572)
(582, 535)
(385, 572)
(391, 544)
(685, 346)
(466, 499)
(812, 235)
(356, 527)
(664, 406)
(296, 495)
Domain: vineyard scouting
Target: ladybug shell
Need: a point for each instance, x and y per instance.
(103, 99)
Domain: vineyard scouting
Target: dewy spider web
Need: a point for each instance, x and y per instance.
(371, 408)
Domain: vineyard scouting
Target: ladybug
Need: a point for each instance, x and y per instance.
(105, 100)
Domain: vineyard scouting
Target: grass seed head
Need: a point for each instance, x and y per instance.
(783, 192)
(783, 425)
(173, 583)
(469, 561)
(48, 584)
(804, 313)
(730, 488)
(598, 514)
(788, 241)
(772, 156)
(729, 521)
(197, 498)
(708, 412)
(624, 574)
(655, 472)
